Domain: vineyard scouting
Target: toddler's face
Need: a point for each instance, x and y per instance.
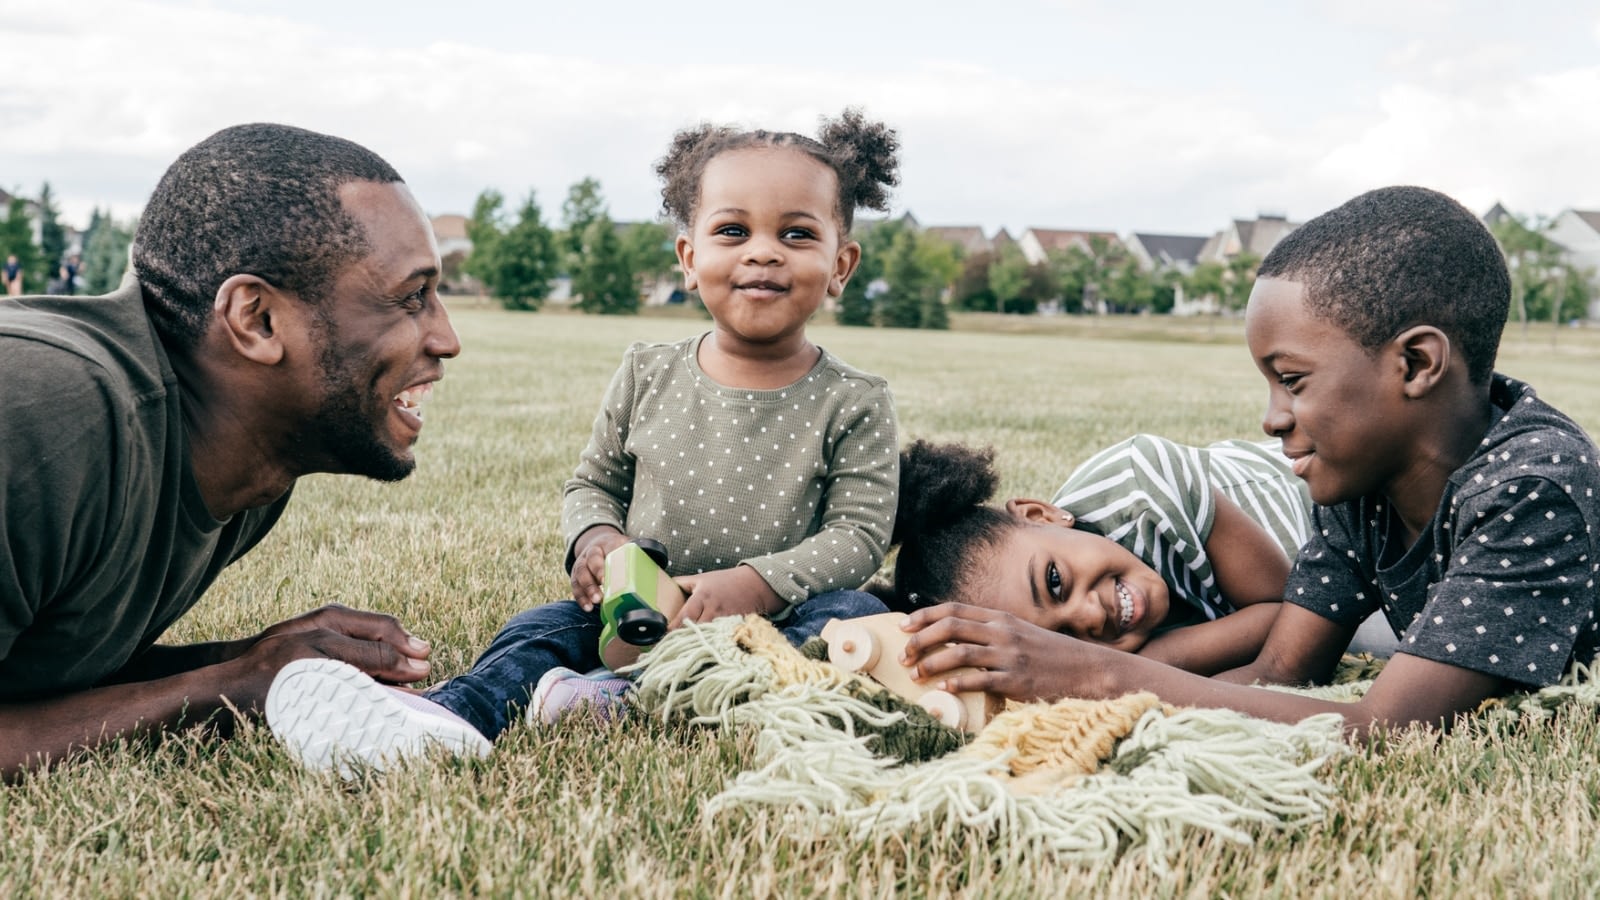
(765, 248)
(1073, 582)
(1339, 408)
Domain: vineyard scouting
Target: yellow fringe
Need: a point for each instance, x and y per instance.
(1070, 737)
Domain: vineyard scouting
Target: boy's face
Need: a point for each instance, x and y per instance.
(1340, 410)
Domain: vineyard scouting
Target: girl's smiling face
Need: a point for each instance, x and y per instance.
(765, 247)
(1074, 582)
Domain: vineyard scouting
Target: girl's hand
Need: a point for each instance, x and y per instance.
(589, 564)
(725, 592)
(1018, 659)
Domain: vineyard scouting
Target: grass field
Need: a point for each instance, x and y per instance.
(603, 811)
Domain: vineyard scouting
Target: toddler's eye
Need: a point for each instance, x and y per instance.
(730, 231)
(797, 234)
(1289, 381)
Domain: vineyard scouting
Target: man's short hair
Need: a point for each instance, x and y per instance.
(1398, 257)
(259, 199)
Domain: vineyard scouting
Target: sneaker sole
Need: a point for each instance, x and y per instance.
(332, 716)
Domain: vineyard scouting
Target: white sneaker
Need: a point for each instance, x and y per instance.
(334, 716)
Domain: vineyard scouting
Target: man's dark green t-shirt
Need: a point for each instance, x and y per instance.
(107, 539)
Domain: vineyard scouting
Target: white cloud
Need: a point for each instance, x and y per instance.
(981, 144)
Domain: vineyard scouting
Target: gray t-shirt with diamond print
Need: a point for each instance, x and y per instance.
(1503, 579)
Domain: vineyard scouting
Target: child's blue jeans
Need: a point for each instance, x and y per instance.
(501, 682)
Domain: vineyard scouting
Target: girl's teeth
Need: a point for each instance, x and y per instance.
(1125, 602)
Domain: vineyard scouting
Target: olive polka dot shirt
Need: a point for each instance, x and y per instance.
(1503, 580)
(799, 483)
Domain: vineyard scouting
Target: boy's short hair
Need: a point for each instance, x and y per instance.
(1398, 257)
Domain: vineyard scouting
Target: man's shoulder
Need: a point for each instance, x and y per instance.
(60, 342)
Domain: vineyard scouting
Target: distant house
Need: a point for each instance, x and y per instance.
(1172, 252)
(450, 233)
(864, 225)
(1001, 240)
(1496, 214)
(1254, 236)
(1166, 251)
(1037, 244)
(967, 237)
(1578, 232)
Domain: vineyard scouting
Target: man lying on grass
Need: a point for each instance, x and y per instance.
(1446, 495)
(280, 319)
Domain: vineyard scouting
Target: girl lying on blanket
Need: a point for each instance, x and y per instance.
(1146, 536)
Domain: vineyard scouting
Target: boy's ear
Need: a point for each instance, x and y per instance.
(685, 249)
(251, 314)
(1425, 354)
(844, 265)
(1039, 512)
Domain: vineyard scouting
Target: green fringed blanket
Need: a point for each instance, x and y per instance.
(1085, 779)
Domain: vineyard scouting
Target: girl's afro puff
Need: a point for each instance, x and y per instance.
(863, 155)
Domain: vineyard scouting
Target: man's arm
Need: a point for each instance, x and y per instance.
(38, 732)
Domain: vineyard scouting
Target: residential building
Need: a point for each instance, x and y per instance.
(1578, 232)
(1037, 244)
(1254, 236)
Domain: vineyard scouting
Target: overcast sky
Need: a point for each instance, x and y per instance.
(1156, 116)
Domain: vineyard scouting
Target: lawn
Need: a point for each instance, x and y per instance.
(594, 810)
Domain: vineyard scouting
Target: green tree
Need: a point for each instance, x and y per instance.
(651, 251)
(971, 290)
(52, 236)
(1128, 287)
(484, 228)
(514, 260)
(858, 304)
(584, 204)
(16, 239)
(1073, 270)
(1008, 276)
(1238, 277)
(602, 281)
(105, 254)
(917, 271)
(1543, 283)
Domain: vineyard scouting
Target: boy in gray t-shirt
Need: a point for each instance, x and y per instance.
(1446, 495)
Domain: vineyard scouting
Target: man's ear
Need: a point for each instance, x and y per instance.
(844, 265)
(1039, 512)
(1424, 354)
(685, 249)
(250, 313)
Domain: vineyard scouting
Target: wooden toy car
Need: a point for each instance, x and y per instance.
(871, 646)
(638, 600)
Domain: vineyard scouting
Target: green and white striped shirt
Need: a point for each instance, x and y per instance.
(1154, 497)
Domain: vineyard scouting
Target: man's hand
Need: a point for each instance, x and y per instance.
(1018, 659)
(589, 564)
(725, 592)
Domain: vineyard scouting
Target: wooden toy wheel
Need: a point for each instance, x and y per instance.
(853, 648)
(945, 707)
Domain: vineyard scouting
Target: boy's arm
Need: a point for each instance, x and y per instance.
(1210, 647)
(1409, 690)
(858, 509)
